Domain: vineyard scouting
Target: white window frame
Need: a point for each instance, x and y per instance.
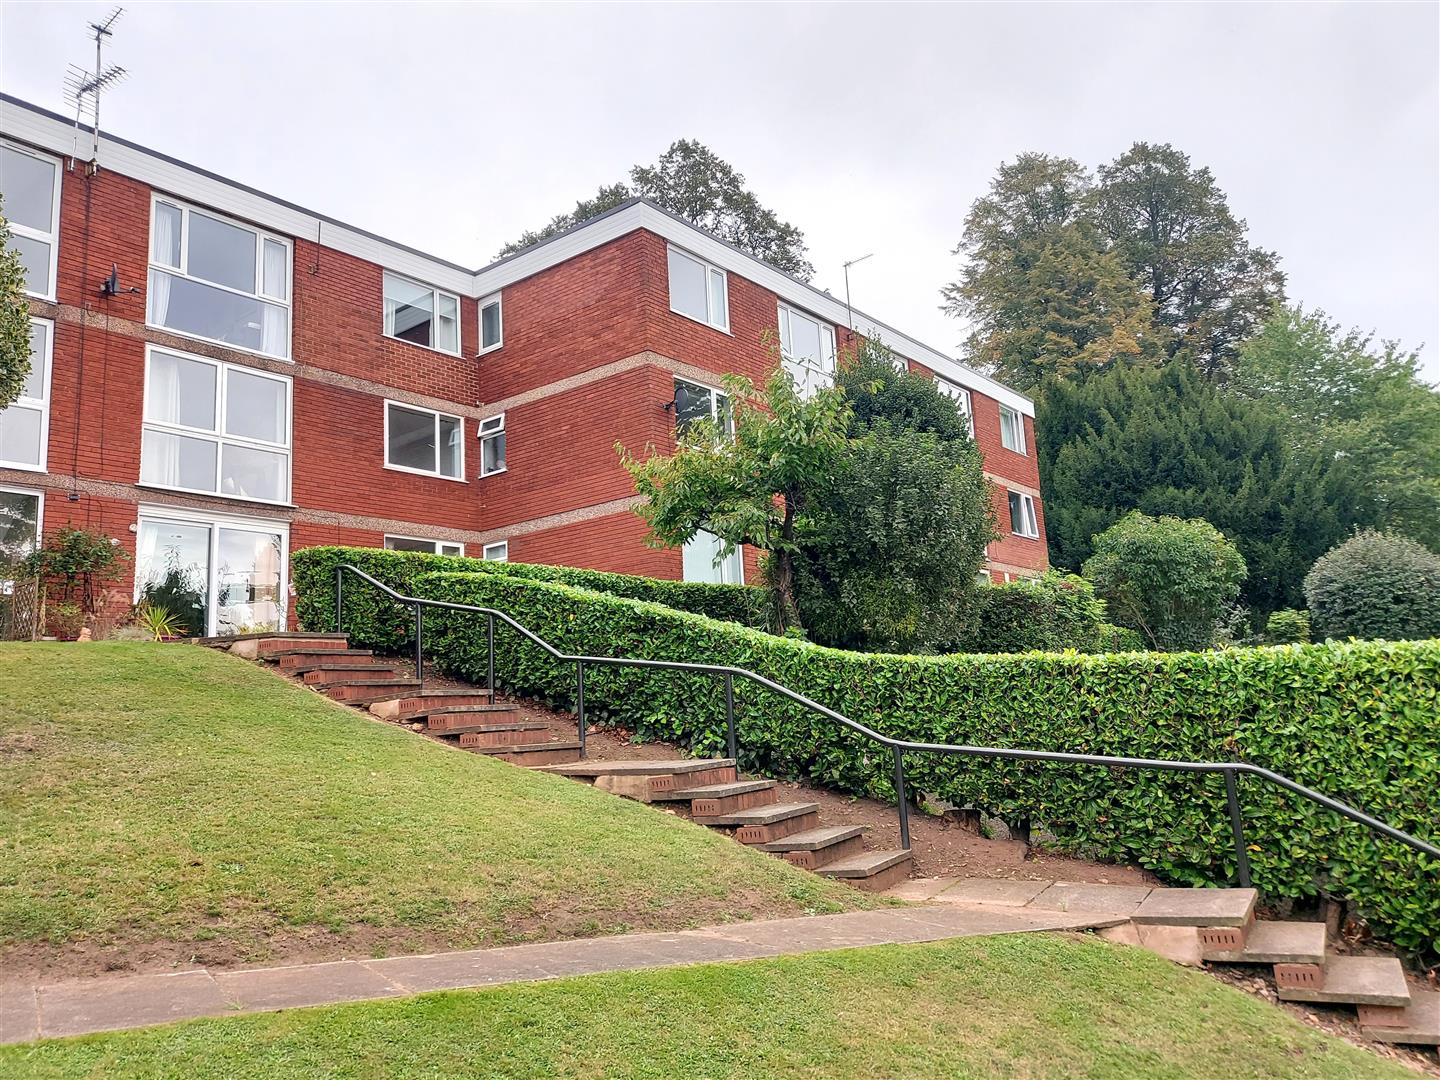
(498, 300)
(218, 435)
(1019, 428)
(951, 389)
(710, 268)
(715, 396)
(458, 479)
(14, 489)
(500, 546)
(268, 526)
(738, 555)
(424, 540)
(1028, 516)
(784, 314)
(183, 271)
(53, 237)
(40, 404)
(489, 429)
(435, 295)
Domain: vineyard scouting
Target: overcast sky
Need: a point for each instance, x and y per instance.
(872, 127)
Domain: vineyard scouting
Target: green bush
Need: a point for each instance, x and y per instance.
(1054, 612)
(1353, 720)
(1375, 585)
(1287, 627)
(379, 623)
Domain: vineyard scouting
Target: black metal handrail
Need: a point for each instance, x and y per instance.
(1231, 770)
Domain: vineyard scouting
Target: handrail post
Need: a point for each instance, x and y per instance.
(490, 656)
(900, 800)
(580, 702)
(420, 645)
(1237, 828)
(339, 595)
(730, 715)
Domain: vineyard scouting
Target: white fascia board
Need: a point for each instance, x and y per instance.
(716, 252)
(49, 132)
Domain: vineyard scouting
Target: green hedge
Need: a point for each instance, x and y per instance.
(1053, 612)
(1356, 721)
(378, 623)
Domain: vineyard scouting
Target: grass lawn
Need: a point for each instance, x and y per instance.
(164, 802)
(1031, 1006)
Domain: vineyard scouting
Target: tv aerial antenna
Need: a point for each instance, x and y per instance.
(83, 88)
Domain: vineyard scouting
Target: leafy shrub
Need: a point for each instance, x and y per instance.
(384, 625)
(1287, 627)
(1053, 612)
(1316, 713)
(1375, 585)
(1169, 579)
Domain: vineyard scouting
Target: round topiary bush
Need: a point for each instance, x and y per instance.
(1375, 585)
(1286, 627)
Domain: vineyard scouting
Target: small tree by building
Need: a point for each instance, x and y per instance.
(1171, 580)
(1375, 585)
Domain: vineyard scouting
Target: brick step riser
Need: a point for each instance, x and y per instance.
(703, 778)
(885, 879)
(536, 757)
(473, 740)
(455, 724)
(776, 830)
(731, 803)
(813, 860)
(326, 678)
(1300, 976)
(358, 695)
(409, 708)
(291, 661)
(266, 647)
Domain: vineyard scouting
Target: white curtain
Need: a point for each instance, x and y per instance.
(165, 241)
(159, 297)
(160, 452)
(275, 331)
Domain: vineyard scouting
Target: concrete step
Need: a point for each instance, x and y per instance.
(1351, 980)
(367, 693)
(1266, 943)
(1197, 907)
(331, 675)
(276, 643)
(714, 791)
(501, 736)
(815, 848)
(763, 824)
(476, 718)
(1417, 1024)
(411, 706)
(532, 755)
(646, 780)
(873, 871)
(719, 801)
(297, 660)
(654, 766)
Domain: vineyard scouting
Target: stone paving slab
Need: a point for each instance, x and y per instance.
(1197, 907)
(75, 1008)
(19, 1014)
(992, 891)
(304, 984)
(1077, 896)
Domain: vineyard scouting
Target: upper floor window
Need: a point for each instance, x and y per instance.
(23, 426)
(694, 402)
(492, 445)
(215, 428)
(961, 397)
(1022, 516)
(30, 183)
(430, 547)
(217, 279)
(807, 347)
(492, 326)
(1012, 429)
(699, 290)
(423, 441)
(421, 315)
(701, 560)
(496, 552)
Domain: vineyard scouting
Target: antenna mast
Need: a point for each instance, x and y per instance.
(849, 314)
(82, 87)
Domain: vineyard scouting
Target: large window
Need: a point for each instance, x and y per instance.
(20, 519)
(1012, 429)
(701, 560)
(217, 576)
(421, 441)
(421, 315)
(699, 290)
(24, 425)
(492, 445)
(430, 547)
(30, 183)
(215, 428)
(1022, 516)
(961, 397)
(694, 402)
(216, 279)
(492, 324)
(807, 347)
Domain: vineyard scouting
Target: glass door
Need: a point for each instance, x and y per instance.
(247, 581)
(217, 577)
(172, 571)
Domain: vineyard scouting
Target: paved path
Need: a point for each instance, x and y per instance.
(107, 1004)
(1032, 897)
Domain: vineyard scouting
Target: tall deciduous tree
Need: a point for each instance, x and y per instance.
(14, 320)
(1172, 227)
(692, 181)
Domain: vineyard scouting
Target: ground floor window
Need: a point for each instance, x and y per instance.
(496, 552)
(217, 576)
(702, 561)
(430, 547)
(20, 511)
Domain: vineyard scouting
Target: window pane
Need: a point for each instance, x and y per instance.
(167, 225)
(177, 461)
(490, 325)
(172, 570)
(496, 552)
(450, 448)
(35, 261)
(192, 307)
(804, 343)
(19, 524)
(692, 403)
(221, 252)
(1017, 515)
(409, 310)
(181, 391)
(255, 407)
(273, 273)
(719, 307)
(447, 331)
(35, 381)
(492, 454)
(1012, 430)
(687, 285)
(247, 581)
(451, 549)
(29, 188)
(400, 543)
(20, 435)
(411, 441)
(249, 473)
(698, 558)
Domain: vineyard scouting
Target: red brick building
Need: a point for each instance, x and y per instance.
(257, 378)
